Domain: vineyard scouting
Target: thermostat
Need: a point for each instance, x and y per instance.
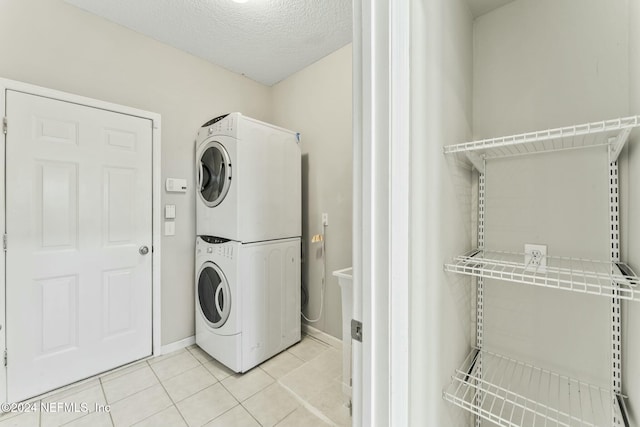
(175, 185)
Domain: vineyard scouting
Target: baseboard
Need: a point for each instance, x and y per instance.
(309, 330)
(177, 345)
(322, 336)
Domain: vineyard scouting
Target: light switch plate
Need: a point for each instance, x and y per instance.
(169, 228)
(169, 211)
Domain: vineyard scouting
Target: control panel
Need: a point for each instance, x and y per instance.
(220, 125)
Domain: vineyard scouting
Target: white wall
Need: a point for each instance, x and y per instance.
(441, 324)
(52, 44)
(548, 63)
(317, 103)
(541, 64)
(631, 242)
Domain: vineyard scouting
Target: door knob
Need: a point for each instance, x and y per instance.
(143, 250)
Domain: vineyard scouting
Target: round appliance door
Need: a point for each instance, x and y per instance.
(214, 177)
(214, 295)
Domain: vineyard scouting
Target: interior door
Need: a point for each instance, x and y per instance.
(79, 233)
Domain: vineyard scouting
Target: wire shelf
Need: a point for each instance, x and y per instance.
(568, 274)
(511, 393)
(579, 136)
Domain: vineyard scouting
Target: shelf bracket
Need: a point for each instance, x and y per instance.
(617, 144)
(624, 417)
(476, 161)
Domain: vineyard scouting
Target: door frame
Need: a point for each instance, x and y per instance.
(381, 212)
(156, 206)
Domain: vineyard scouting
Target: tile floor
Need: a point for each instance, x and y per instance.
(299, 387)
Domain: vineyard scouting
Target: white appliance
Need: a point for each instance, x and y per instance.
(249, 180)
(247, 299)
(345, 280)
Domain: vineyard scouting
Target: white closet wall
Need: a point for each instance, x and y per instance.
(631, 223)
(441, 318)
(540, 64)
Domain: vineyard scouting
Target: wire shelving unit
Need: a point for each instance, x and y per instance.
(566, 138)
(568, 274)
(512, 393)
(613, 133)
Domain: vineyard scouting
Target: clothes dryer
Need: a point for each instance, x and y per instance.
(248, 180)
(247, 299)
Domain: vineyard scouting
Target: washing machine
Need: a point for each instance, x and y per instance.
(248, 180)
(247, 299)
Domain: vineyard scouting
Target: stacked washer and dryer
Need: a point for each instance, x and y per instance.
(248, 226)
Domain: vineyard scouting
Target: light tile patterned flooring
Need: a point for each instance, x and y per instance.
(299, 387)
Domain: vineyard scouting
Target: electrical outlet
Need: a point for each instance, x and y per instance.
(535, 257)
(325, 219)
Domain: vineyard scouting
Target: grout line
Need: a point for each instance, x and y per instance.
(179, 373)
(308, 406)
(268, 374)
(251, 395)
(287, 416)
(127, 396)
(64, 389)
(167, 356)
(195, 392)
(234, 398)
(120, 370)
(318, 337)
(105, 401)
(230, 409)
(274, 383)
(219, 381)
(227, 390)
(293, 355)
(170, 399)
(131, 395)
(302, 402)
(4, 416)
(249, 412)
(196, 357)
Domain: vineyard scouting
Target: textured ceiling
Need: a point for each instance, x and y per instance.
(480, 7)
(265, 40)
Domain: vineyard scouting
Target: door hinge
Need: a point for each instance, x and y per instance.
(5, 358)
(4, 242)
(356, 330)
(4, 125)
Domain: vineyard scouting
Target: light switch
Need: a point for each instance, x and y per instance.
(169, 228)
(169, 211)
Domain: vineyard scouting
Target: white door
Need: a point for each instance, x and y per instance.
(79, 215)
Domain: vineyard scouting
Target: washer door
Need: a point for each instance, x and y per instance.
(214, 295)
(214, 177)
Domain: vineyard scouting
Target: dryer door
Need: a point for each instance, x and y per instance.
(214, 173)
(214, 295)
